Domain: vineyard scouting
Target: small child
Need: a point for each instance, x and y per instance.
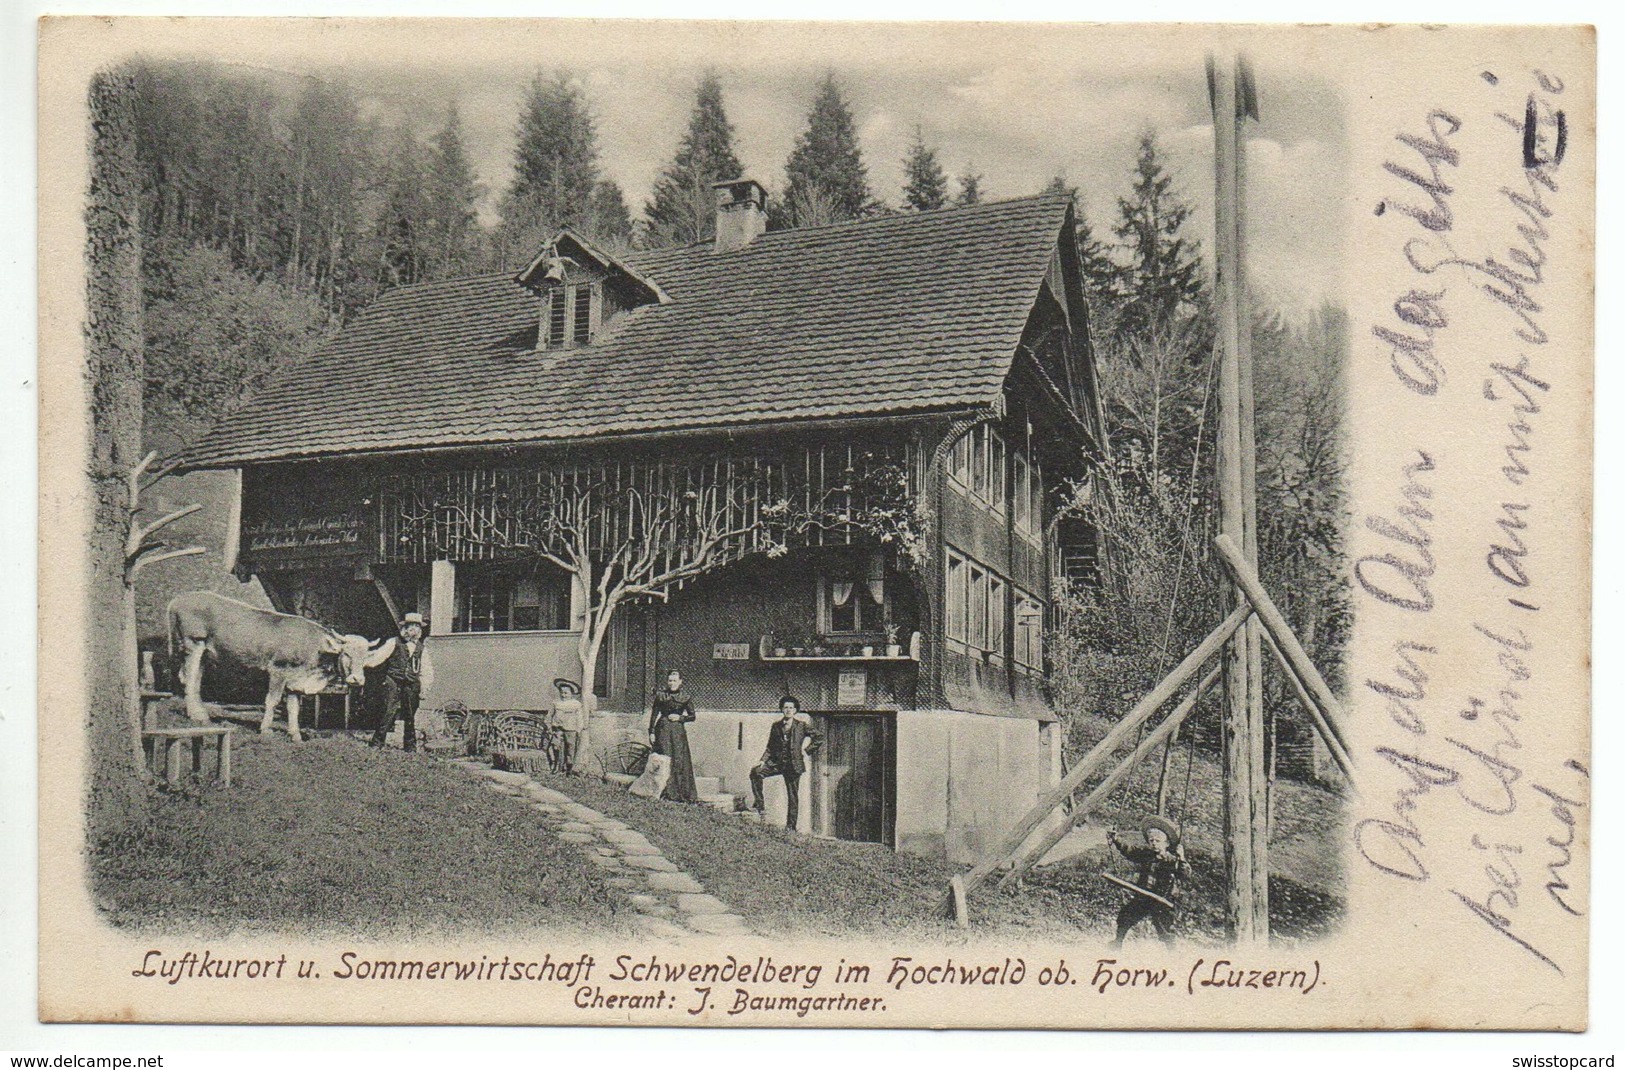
(1162, 867)
(570, 715)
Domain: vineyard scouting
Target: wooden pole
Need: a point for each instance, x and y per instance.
(1157, 737)
(1245, 102)
(1097, 756)
(1247, 898)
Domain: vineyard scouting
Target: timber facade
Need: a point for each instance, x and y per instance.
(867, 431)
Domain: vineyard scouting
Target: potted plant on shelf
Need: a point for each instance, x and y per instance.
(868, 651)
(893, 649)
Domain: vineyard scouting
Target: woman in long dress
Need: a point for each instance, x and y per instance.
(671, 709)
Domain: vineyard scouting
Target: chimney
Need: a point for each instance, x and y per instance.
(741, 213)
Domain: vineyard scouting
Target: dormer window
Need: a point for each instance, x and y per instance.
(582, 287)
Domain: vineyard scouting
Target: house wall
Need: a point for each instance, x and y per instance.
(501, 670)
(968, 681)
(739, 605)
(965, 779)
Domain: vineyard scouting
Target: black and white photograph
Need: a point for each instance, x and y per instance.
(816, 524)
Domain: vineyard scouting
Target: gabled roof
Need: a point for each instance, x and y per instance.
(895, 315)
(534, 277)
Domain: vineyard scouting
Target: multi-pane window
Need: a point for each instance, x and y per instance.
(978, 605)
(958, 598)
(568, 317)
(977, 464)
(508, 598)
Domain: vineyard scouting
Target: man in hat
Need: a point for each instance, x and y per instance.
(783, 757)
(1161, 858)
(406, 674)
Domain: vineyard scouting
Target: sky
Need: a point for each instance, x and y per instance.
(1018, 104)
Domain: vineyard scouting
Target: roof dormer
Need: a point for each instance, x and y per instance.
(582, 289)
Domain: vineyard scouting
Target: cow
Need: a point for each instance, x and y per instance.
(301, 655)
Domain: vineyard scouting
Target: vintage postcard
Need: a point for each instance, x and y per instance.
(816, 524)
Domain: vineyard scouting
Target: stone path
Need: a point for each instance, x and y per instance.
(669, 902)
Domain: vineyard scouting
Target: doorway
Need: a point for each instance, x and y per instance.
(854, 778)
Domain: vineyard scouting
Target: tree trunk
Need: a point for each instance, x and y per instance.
(115, 369)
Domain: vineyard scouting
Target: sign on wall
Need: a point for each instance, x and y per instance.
(852, 688)
(730, 651)
(334, 535)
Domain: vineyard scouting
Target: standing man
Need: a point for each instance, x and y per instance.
(783, 757)
(406, 674)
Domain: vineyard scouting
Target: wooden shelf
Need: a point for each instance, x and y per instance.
(911, 654)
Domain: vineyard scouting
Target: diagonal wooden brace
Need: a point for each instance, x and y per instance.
(1151, 742)
(1324, 709)
(1102, 751)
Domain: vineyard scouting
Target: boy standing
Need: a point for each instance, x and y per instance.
(570, 715)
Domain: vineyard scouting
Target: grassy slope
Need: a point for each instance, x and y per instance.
(334, 837)
(331, 837)
(794, 884)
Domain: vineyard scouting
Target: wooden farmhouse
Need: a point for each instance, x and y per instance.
(842, 446)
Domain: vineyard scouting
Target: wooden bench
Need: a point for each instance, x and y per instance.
(172, 740)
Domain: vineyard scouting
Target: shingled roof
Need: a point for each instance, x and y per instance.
(901, 314)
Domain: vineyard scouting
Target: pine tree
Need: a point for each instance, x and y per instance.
(827, 179)
(970, 188)
(608, 219)
(925, 186)
(451, 193)
(683, 208)
(555, 166)
(403, 221)
(1163, 282)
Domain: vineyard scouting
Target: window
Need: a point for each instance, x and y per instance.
(583, 314)
(958, 597)
(996, 610)
(995, 470)
(846, 607)
(569, 314)
(976, 464)
(508, 598)
(1035, 489)
(1024, 493)
(1029, 637)
(959, 461)
(978, 608)
(557, 316)
(979, 462)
